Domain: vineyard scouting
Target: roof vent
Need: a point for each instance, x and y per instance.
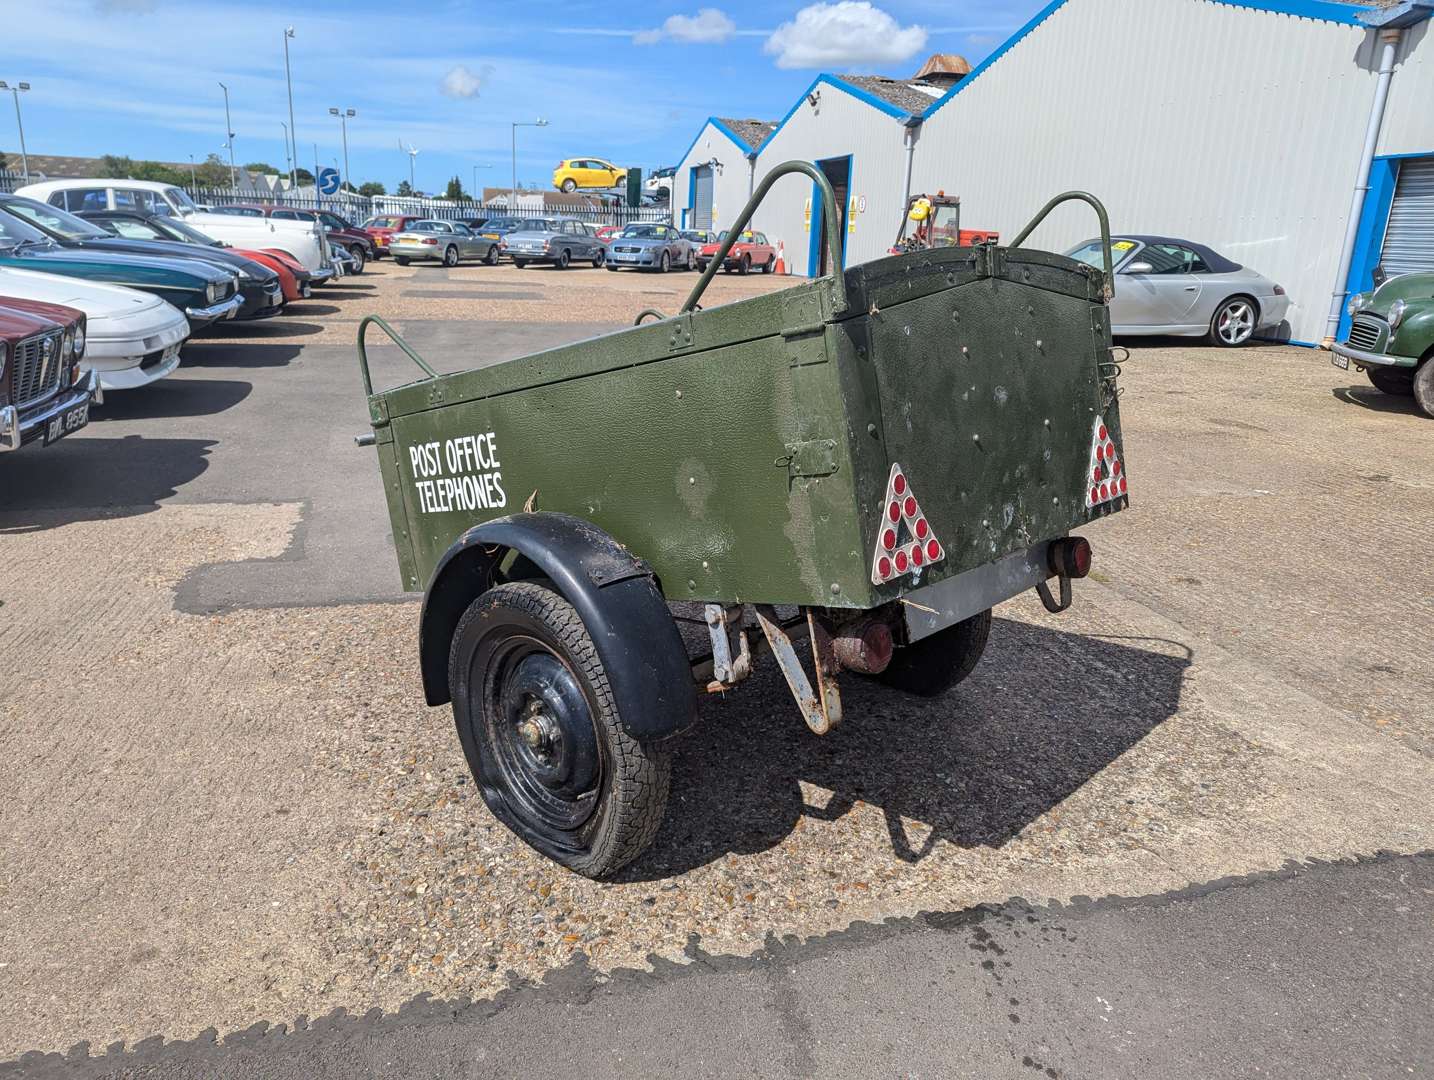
(944, 69)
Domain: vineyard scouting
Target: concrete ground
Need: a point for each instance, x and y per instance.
(224, 803)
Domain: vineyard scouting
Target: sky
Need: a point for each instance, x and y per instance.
(629, 82)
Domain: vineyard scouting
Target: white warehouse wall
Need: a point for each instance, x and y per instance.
(841, 124)
(1228, 125)
(1409, 119)
(729, 183)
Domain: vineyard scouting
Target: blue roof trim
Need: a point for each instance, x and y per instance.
(723, 128)
(834, 81)
(1325, 10)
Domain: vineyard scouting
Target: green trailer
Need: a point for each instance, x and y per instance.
(847, 475)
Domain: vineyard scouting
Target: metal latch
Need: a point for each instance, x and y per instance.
(814, 457)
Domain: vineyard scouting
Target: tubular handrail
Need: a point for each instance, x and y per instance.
(397, 340)
(831, 222)
(1096, 204)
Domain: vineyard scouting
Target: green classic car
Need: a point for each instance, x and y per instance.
(1391, 337)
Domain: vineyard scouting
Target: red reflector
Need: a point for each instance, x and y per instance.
(933, 550)
(1095, 473)
(910, 506)
(901, 562)
(922, 529)
(888, 539)
(1122, 485)
(894, 512)
(1095, 494)
(883, 567)
(1115, 469)
(916, 555)
(1104, 491)
(1102, 434)
(898, 484)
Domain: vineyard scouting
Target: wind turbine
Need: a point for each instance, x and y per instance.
(412, 152)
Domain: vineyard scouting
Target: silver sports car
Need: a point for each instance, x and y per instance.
(649, 246)
(447, 241)
(1169, 286)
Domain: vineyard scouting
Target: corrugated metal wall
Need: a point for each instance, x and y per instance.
(729, 183)
(1235, 127)
(1409, 118)
(838, 125)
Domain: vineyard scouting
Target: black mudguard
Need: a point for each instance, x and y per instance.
(613, 591)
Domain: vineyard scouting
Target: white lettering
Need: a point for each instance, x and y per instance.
(457, 474)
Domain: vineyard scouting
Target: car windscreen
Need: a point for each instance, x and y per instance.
(633, 232)
(383, 223)
(59, 222)
(180, 198)
(14, 231)
(1092, 252)
(182, 230)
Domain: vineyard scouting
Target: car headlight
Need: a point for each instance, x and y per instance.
(214, 290)
(4, 356)
(1396, 314)
(1355, 303)
(79, 341)
(67, 346)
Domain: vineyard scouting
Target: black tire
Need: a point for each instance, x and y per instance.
(1424, 385)
(450, 256)
(935, 664)
(564, 258)
(541, 733)
(520, 263)
(1396, 381)
(599, 259)
(664, 264)
(402, 260)
(770, 264)
(701, 267)
(357, 253)
(491, 259)
(570, 185)
(1234, 323)
(612, 267)
(745, 265)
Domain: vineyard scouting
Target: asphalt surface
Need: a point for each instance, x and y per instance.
(1312, 971)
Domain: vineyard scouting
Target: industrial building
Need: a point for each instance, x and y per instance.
(1294, 136)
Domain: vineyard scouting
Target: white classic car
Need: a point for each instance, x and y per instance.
(304, 240)
(133, 337)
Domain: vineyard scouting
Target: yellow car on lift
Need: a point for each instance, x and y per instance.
(577, 173)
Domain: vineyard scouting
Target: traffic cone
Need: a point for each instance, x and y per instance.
(781, 267)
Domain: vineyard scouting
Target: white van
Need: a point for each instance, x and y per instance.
(304, 240)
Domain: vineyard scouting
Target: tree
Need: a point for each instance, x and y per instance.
(305, 177)
(129, 169)
(264, 168)
(214, 172)
(4, 164)
(455, 189)
(404, 188)
(372, 188)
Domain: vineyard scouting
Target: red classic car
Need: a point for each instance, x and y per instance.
(607, 232)
(381, 228)
(43, 393)
(356, 240)
(750, 252)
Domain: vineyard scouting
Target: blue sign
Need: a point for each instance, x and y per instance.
(328, 181)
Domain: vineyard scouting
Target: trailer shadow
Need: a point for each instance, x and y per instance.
(1044, 713)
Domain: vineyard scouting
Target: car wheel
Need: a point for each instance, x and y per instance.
(520, 263)
(691, 262)
(664, 264)
(770, 264)
(934, 664)
(599, 258)
(1234, 323)
(570, 185)
(359, 258)
(1424, 384)
(745, 266)
(542, 736)
(701, 267)
(1396, 381)
(450, 256)
(491, 259)
(612, 267)
(402, 260)
(564, 258)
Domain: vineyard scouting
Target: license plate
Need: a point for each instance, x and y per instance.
(1338, 361)
(492, 236)
(68, 421)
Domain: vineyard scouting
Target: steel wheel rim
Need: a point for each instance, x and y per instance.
(1236, 322)
(542, 737)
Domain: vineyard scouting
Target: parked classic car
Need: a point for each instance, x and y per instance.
(204, 292)
(574, 173)
(131, 338)
(302, 240)
(44, 393)
(259, 287)
(1391, 337)
(448, 242)
(133, 225)
(1178, 287)
(701, 237)
(381, 227)
(606, 233)
(495, 228)
(558, 241)
(650, 246)
(750, 250)
(356, 241)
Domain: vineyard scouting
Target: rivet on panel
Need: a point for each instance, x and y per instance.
(692, 479)
(679, 393)
(692, 584)
(835, 588)
(704, 564)
(976, 437)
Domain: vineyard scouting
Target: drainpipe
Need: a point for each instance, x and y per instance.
(913, 126)
(1391, 23)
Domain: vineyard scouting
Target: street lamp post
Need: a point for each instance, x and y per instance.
(344, 124)
(229, 129)
(193, 174)
(288, 157)
(16, 90)
(292, 131)
(540, 122)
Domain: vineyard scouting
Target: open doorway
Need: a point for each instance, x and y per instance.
(838, 174)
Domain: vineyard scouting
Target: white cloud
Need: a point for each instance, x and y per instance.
(461, 82)
(843, 34)
(708, 27)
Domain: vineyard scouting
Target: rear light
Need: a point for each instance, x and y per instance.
(1070, 557)
(1279, 290)
(430, 240)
